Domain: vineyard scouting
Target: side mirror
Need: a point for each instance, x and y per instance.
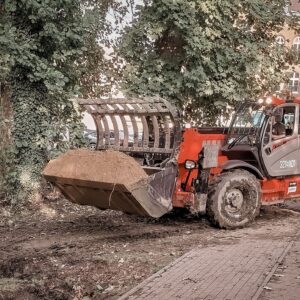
(190, 164)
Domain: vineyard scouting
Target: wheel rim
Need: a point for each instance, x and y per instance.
(234, 200)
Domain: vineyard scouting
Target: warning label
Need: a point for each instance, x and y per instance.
(292, 187)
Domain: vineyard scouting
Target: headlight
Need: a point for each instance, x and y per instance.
(269, 100)
(260, 101)
(190, 164)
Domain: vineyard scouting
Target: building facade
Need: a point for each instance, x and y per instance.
(291, 39)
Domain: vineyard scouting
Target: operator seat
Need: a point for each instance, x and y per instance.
(278, 130)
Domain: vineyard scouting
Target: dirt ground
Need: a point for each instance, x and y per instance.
(64, 251)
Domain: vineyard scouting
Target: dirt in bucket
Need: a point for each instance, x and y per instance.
(99, 166)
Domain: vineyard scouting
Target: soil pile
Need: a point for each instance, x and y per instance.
(98, 166)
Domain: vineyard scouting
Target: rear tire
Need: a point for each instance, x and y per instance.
(234, 199)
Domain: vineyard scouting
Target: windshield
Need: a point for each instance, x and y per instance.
(248, 119)
(246, 124)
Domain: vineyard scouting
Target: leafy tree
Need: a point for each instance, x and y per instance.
(204, 54)
(49, 52)
(100, 66)
(40, 40)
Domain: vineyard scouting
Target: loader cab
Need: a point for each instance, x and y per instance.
(280, 146)
(243, 140)
(267, 138)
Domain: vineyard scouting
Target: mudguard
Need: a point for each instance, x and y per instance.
(239, 164)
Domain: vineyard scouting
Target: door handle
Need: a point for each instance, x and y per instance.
(268, 150)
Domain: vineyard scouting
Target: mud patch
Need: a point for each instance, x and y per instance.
(271, 212)
(10, 284)
(12, 267)
(293, 205)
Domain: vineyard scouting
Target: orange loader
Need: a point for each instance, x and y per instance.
(156, 166)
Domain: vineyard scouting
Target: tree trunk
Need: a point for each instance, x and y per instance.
(5, 115)
(5, 131)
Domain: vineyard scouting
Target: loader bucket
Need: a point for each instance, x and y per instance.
(135, 174)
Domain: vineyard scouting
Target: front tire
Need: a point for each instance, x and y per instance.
(234, 199)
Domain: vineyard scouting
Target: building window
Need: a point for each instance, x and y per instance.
(294, 83)
(280, 40)
(294, 6)
(296, 43)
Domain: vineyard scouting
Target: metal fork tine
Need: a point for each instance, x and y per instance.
(145, 132)
(100, 132)
(167, 133)
(156, 131)
(135, 131)
(116, 131)
(107, 132)
(126, 133)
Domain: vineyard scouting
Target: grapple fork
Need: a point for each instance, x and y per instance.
(146, 129)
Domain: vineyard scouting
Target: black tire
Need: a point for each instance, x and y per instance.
(92, 146)
(234, 199)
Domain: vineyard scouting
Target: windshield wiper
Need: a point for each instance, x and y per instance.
(237, 140)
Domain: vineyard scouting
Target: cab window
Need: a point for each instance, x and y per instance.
(283, 122)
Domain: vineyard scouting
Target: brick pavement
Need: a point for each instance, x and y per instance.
(232, 271)
(285, 282)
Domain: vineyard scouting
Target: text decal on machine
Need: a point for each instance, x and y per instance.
(284, 164)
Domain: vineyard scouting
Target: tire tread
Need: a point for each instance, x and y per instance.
(212, 212)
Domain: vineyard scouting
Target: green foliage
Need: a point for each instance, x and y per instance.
(43, 38)
(100, 66)
(49, 52)
(39, 44)
(99, 73)
(204, 54)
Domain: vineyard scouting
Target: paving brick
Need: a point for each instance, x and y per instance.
(234, 271)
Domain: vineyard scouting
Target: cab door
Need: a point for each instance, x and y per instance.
(281, 156)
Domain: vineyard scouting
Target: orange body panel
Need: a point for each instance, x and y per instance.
(277, 190)
(189, 150)
(273, 190)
